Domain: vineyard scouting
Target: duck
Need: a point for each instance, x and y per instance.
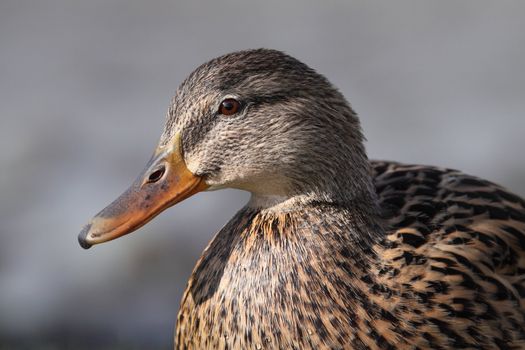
(332, 250)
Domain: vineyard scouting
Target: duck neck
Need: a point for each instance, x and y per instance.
(346, 187)
(345, 195)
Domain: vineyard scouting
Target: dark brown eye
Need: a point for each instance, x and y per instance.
(229, 106)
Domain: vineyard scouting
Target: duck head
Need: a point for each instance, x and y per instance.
(256, 120)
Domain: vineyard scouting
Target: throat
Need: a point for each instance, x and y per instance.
(364, 202)
(276, 204)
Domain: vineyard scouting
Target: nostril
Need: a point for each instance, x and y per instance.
(156, 175)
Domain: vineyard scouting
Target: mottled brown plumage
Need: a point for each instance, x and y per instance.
(333, 251)
(447, 273)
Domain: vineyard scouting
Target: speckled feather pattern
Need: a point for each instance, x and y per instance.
(443, 267)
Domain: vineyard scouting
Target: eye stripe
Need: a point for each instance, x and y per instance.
(272, 99)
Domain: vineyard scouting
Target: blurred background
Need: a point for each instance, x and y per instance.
(84, 87)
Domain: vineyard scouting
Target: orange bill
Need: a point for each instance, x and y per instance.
(165, 182)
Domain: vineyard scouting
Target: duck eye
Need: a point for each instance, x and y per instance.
(229, 106)
(156, 175)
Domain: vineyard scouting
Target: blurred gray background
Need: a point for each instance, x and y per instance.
(84, 86)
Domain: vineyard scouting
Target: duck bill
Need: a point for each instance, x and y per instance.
(164, 182)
